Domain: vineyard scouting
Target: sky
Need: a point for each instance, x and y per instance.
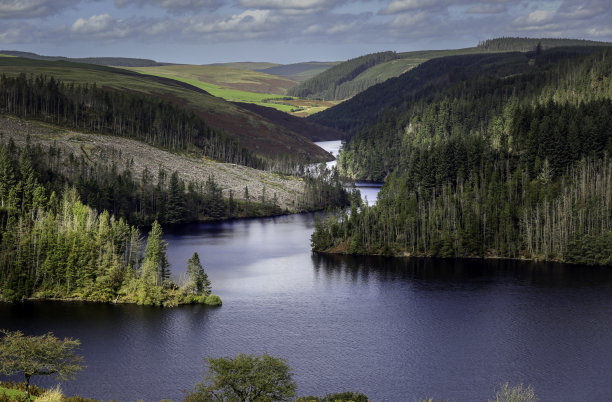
(284, 31)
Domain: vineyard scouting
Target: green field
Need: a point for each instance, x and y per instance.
(262, 136)
(234, 95)
(229, 83)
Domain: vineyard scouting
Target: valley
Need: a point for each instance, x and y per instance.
(402, 224)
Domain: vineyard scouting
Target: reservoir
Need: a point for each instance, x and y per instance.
(395, 329)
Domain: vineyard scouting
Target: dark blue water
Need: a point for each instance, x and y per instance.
(395, 329)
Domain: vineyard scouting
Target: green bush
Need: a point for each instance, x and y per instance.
(518, 393)
(212, 300)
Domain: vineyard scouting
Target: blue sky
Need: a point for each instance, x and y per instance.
(284, 31)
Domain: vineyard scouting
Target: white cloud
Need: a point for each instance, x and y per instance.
(409, 20)
(286, 4)
(486, 9)
(248, 20)
(33, 8)
(572, 9)
(313, 29)
(12, 35)
(602, 31)
(400, 6)
(341, 28)
(174, 5)
(535, 19)
(93, 24)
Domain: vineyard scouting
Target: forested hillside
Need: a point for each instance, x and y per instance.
(370, 105)
(337, 82)
(123, 114)
(54, 246)
(513, 44)
(59, 240)
(261, 137)
(509, 158)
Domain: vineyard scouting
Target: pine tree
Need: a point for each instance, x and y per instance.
(155, 260)
(198, 282)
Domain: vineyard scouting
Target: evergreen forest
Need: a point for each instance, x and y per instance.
(54, 246)
(338, 83)
(127, 114)
(504, 155)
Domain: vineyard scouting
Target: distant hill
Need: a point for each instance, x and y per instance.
(349, 78)
(299, 71)
(101, 61)
(510, 44)
(338, 81)
(226, 77)
(247, 65)
(370, 105)
(260, 136)
(311, 130)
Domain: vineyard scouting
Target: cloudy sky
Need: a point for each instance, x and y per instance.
(284, 31)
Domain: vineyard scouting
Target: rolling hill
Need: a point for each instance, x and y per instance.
(347, 79)
(494, 155)
(259, 135)
(102, 61)
(299, 72)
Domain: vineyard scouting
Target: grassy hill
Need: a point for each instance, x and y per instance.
(238, 82)
(231, 84)
(259, 135)
(299, 72)
(341, 82)
(247, 65)
(443, 68)
(102, 61)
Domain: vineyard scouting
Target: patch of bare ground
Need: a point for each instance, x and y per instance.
(107, 149)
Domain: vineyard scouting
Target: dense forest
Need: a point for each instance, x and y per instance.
(497, 163)
(337, 82)
(142, 197)
(121, 113)
(54, 246)
(68, 224)
(509, 44)
(370, 106)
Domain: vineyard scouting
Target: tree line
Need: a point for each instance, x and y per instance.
(54, 246)
(507, 44)
(515, 166)
(336, 83)
(122, 113)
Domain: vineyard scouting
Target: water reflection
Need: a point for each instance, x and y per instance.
(395, 329)
(450, 271)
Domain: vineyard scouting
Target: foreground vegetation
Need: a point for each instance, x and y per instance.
(507, 157)
(38, 355)
(246, 378)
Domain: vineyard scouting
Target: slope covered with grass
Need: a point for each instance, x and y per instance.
(259, 135)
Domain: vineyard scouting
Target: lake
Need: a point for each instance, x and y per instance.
(395, 329)
(368, 190)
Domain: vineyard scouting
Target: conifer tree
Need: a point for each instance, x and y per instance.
(198, 282)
